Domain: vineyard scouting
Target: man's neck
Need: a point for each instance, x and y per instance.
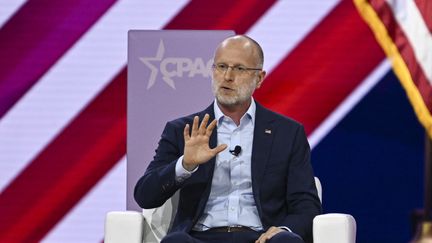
(235, 112)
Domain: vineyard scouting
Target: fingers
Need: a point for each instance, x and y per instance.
(202, 128)
(262, 238)
(203, 125)
(195, 126)
(186, 132)
(219, 149)
(210, 127)
(272, 231)
(259, 240)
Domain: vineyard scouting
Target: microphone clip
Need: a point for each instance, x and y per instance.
(236, 151)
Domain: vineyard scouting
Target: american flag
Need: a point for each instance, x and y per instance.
(63, 103)
(403, 28)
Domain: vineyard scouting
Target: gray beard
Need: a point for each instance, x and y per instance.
(243, 95)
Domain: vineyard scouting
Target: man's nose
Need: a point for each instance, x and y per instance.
(229, 74)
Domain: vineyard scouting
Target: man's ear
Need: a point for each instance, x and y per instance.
(261, 77)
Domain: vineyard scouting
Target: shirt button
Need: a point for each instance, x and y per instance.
(232, 208)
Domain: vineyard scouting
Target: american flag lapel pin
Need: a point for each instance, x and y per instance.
(267, 131)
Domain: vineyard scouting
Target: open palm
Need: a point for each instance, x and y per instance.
(197, 150)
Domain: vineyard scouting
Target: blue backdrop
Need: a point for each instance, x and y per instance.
(371, 164)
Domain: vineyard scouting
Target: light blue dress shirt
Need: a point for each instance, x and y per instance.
(231, 201)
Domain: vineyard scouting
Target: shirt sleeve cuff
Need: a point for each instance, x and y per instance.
(181, 173)
(285, 228)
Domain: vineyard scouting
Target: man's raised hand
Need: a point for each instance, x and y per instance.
(197, 150)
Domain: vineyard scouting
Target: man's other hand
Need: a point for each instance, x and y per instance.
(272, 231)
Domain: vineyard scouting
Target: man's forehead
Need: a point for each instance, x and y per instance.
(234, 58)
(236, 42)
(235, 49)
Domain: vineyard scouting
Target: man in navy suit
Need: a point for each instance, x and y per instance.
(251, 180)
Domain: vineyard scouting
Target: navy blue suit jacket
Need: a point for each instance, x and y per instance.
(282, 177)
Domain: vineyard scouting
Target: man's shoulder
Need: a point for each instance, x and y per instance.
(181, 121)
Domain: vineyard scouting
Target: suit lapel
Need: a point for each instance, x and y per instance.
(262, 143)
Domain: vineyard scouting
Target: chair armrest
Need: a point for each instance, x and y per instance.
(334, 228)
(124, 226)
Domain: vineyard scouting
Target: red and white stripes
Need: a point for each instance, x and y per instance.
(63, 94)
(403, 29)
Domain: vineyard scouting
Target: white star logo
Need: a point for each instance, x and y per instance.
(154, 70)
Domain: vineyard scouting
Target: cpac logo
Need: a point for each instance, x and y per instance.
(171, 67)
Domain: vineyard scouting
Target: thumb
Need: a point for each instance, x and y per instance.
(219, 148)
